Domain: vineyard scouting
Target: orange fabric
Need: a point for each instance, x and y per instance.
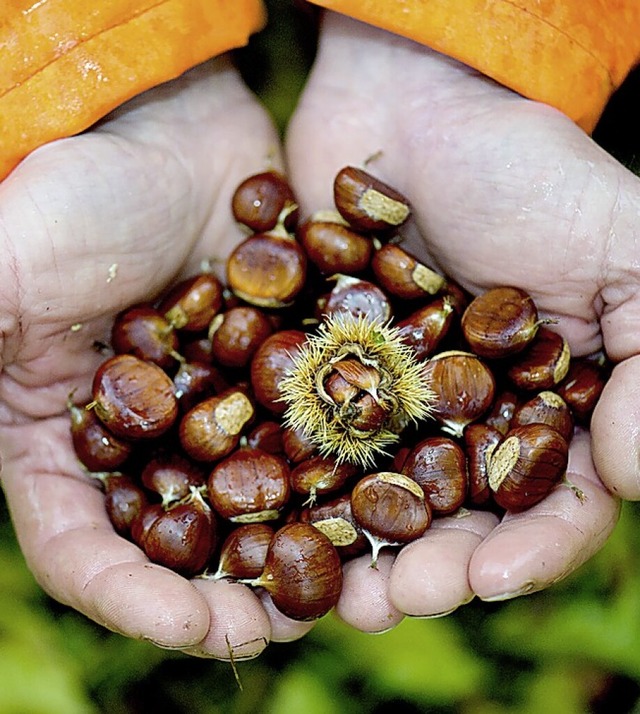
(571, 54)
(67, 63)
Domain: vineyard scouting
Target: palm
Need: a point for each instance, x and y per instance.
(504, 191)
(90, 225)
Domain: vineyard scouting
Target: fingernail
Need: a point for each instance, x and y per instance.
(526, 589)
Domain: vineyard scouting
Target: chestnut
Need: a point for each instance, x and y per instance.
(171, 476)
(270, 363)
(439, 465)
(527, 465)
(195, 382)
(124, 501)
(249, 486)
(480, 441)
(335, 519)
(320, 475)
(96, 447)
(463, 387)
(333, 247)
(267, 269)
(401, 274)
(192, 303)
(355, 296)
(546, 407)
(543, 364)
(212, 429)
(142, 331)
(259, 200)
(183, 537)
(425, 328)
(134, 399)
(390, 508)
(502, 411)
(582, 386)
(297, 445)
(500, 322)
(243, 553)
(236, 335)
(368, 204)
(268, 436)
(303, 572)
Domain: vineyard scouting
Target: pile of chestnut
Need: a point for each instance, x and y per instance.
(213, 474)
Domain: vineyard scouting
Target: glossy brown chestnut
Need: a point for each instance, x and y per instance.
(583, 385)
(543, 364)
(463, 386)
(335, 519)
(368, 204)
(96, 447)
(480, 440)
(390, 508)
(143, 331)
(403, 275)
(527, 465)
(268, 436)
(271, 362)
(333, 247)
(297, 446)
(356, 296)
(236, 335)
(267, 269)
(183, 537)
(303, 573)
(249, 486)
(244, 551)
(134, 399)
(546, 407)
(320, 475)
(144, 520)
(195, 382)
(124, 501)
(425, 328)
(259, 200)
(439, 466)
(193, 302)
(171, 476)
(500, 322)
(502, 411)
(212, 429)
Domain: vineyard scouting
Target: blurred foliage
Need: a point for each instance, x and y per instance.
(572, 649)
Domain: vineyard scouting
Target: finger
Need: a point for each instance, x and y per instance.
(430, 575)
(283, 628)
(614, 427)
(531, 550)
(77, 557)
(239, 626)
(116, 214)
(364, 602)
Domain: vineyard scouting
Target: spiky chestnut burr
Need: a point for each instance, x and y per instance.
(354, 386)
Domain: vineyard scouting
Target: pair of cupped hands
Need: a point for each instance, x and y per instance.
(504, 191)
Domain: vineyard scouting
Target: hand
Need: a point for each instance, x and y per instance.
(505, 191)
(88, 226)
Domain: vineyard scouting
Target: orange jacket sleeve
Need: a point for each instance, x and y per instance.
(571, 54)
(66, 64)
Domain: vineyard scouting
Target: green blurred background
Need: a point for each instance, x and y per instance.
(573, 648)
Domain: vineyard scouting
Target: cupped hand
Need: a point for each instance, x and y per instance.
(88, 226)
(505, 191)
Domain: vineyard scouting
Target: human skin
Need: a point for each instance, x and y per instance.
(505, 191)
(88, 226)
